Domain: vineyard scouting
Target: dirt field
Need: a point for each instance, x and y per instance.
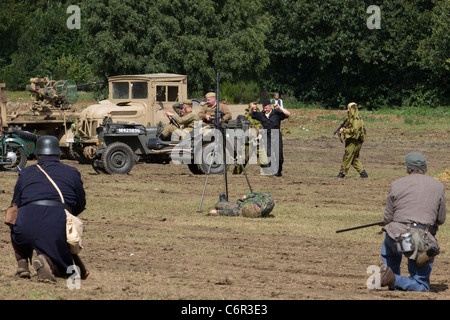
(144, 238)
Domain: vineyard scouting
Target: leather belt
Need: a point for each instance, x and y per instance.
(431, 228)
(51, 203)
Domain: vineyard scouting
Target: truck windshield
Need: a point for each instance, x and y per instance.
(139, 90)
(120, 90)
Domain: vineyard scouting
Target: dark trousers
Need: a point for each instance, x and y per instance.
(275, 154)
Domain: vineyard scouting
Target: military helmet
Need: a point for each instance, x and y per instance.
(48, 146)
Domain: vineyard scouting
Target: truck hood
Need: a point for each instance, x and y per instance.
(105, 108)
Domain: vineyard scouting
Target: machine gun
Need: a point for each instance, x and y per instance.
(50, 94)
(380, 223)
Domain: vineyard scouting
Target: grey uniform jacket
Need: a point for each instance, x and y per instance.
(416, 198)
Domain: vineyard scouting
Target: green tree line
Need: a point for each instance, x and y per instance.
(315, 51)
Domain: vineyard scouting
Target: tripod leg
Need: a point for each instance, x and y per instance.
(246, 178)
(206, 181)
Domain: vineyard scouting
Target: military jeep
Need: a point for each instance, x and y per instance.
(121, 145)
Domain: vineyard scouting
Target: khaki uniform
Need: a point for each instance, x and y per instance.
(211, 111)
(187, 122)
(355, 135)
(261, 154)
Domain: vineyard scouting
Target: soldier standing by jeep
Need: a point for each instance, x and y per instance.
(271, 118)
(208, 112)
(186, 120)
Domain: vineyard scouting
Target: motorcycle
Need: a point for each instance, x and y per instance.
(16, 146)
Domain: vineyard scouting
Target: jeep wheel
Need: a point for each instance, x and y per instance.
(194, 168)
(118, 158)
(98, 166)
(203, 160)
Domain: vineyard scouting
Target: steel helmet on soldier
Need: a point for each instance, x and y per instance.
(48, 146)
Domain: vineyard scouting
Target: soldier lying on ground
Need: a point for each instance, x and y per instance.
(251, 205)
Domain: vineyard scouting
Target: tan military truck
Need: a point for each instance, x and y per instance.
(140, 99)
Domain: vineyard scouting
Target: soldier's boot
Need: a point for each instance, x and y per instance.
(43, 270)
(387, 277)
(364, 174)
(340, 175)
(22, 269)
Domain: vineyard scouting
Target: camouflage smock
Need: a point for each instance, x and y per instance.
(354, 126)
(254, 123)
(256, 204)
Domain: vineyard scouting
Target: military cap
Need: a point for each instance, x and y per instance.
(415, 161)
(265, 103)
(210, 95)
(188, 102)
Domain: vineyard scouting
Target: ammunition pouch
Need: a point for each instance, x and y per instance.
(414, 242)
(405, 243)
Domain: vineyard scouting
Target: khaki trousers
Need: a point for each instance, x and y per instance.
(351, 156)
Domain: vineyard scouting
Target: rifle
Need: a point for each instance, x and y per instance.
(380, 223)
(337, 130)
(342, 124)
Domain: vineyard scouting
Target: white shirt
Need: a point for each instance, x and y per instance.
(278, 102)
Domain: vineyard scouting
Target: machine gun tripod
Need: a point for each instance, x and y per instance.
(220, 132)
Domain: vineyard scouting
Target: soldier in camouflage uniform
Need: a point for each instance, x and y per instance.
(186, 121)
(252, 205)
(258, 145)
(354, 134)
(208, 112)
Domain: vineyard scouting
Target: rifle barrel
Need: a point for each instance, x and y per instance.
(380, 223)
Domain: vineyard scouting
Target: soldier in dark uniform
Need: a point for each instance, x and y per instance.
(271, 118)
(41, 222)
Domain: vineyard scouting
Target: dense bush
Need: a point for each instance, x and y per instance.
(318, 52)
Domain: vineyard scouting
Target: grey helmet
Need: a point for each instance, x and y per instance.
(48, 146)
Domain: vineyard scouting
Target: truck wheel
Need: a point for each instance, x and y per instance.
(118, 158)
(17, 154)
(203, 160)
